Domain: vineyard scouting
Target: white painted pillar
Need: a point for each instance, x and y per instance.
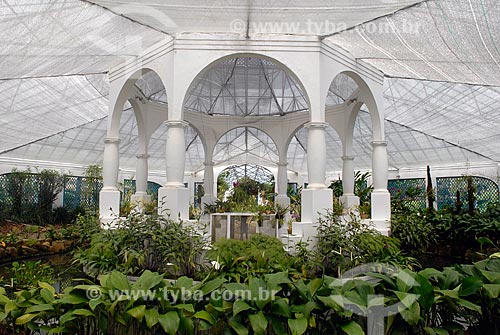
(282, 198)
(380, 199)
(317, 198)
(173, 198)
(208, 185)
(316, 154)
(109, 197)
(141, 197)
(348, 198)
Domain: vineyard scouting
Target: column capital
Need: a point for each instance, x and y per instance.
(142, 156)
(176, 123)
(112, 140)
(316, 124)
(347, 158)
(379, 143)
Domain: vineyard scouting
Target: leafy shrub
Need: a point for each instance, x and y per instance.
(144, 241)
(28, 274)
(343, 244)
(259, 255)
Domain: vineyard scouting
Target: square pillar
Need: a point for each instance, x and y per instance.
(139, 199)
(315, 202)
(381, 211)
(109, 207)
(174, 202)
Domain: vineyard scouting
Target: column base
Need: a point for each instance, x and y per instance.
(349, 201)
(109, 207)
(381, 205)
(139, 200)
(382, 226)
(381, 211)
(174, 202)
(314, 203)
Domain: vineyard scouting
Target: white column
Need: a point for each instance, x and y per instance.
(316, 154)
(109, 197)
(381, 199)
(317, 198)
(176, 153)
(173, 198)
(141, 197)
(111, 162)
(348, 198)
(208, 184)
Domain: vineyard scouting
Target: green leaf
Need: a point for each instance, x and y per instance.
(470, 285)
(238, 328)
(83, 312)
(352, 328)
(469, 305)
(258, 322)
(66, 317)
(314, 285)
(137, 312)
(187, 307)
(152, 317)
(425, 292)
(169, 322)
(9, 307)
(408, 299)
(94, 303)
(119, 281)
(430, 273)
(73, 299)
(491, 276)
(184, 282)
(411, 314)
(240, 306)
(335, 302)
(25, 318)
(212, 285)
(39, 308)
(47, 295)
(274, 280)
(281, 307)
(3, 316)
(204, 315)
(147, 281)
(48, 287)
(298, 326)
(493, 290)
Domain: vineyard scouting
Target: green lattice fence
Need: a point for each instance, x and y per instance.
(411, 191)
(81, 192)
(486, 191)
(129, 189)
(20, 189)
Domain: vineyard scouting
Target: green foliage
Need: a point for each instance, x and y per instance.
(256, 256)
(144, 241)
(343, 244)
(426, 302)
(27, 274)
(423, 230)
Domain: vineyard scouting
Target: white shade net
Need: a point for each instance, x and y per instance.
(442, 96)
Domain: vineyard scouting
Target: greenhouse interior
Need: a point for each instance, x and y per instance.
(250, 167)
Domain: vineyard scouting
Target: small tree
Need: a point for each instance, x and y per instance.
(51, 184)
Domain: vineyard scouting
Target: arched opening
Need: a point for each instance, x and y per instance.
(246, 85)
